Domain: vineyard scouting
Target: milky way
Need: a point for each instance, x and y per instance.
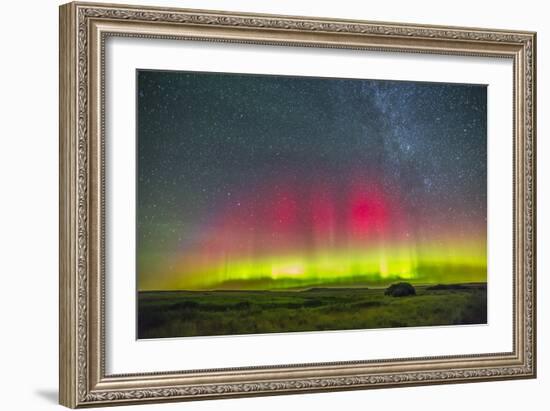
(271, 182)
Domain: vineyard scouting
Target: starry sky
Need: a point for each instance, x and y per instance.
(280, 182)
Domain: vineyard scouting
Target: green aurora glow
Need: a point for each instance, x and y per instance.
(375, 267)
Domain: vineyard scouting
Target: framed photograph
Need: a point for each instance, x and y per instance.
(260, 204)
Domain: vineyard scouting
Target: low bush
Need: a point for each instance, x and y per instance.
(400, 290)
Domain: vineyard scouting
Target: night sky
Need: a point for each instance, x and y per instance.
(274, 182)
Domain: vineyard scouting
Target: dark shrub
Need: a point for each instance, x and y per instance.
(149, 319)
(445, 287)
(400, 290)
(185, 305)
(243, 305)
(368, 304)
(313, 303)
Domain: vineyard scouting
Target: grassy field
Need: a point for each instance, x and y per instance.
(195, 313)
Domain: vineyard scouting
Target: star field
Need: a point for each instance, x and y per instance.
(264, 178)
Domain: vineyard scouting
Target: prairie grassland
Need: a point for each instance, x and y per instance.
(205, 313)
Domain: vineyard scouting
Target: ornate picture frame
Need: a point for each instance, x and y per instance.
(84, 29)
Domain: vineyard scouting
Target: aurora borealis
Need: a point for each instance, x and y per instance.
(258, 182)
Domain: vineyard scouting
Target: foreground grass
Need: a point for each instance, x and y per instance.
(194, 313)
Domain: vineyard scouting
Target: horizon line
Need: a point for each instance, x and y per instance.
(298, 289)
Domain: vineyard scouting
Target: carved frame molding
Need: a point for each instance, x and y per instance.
(84, 27)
